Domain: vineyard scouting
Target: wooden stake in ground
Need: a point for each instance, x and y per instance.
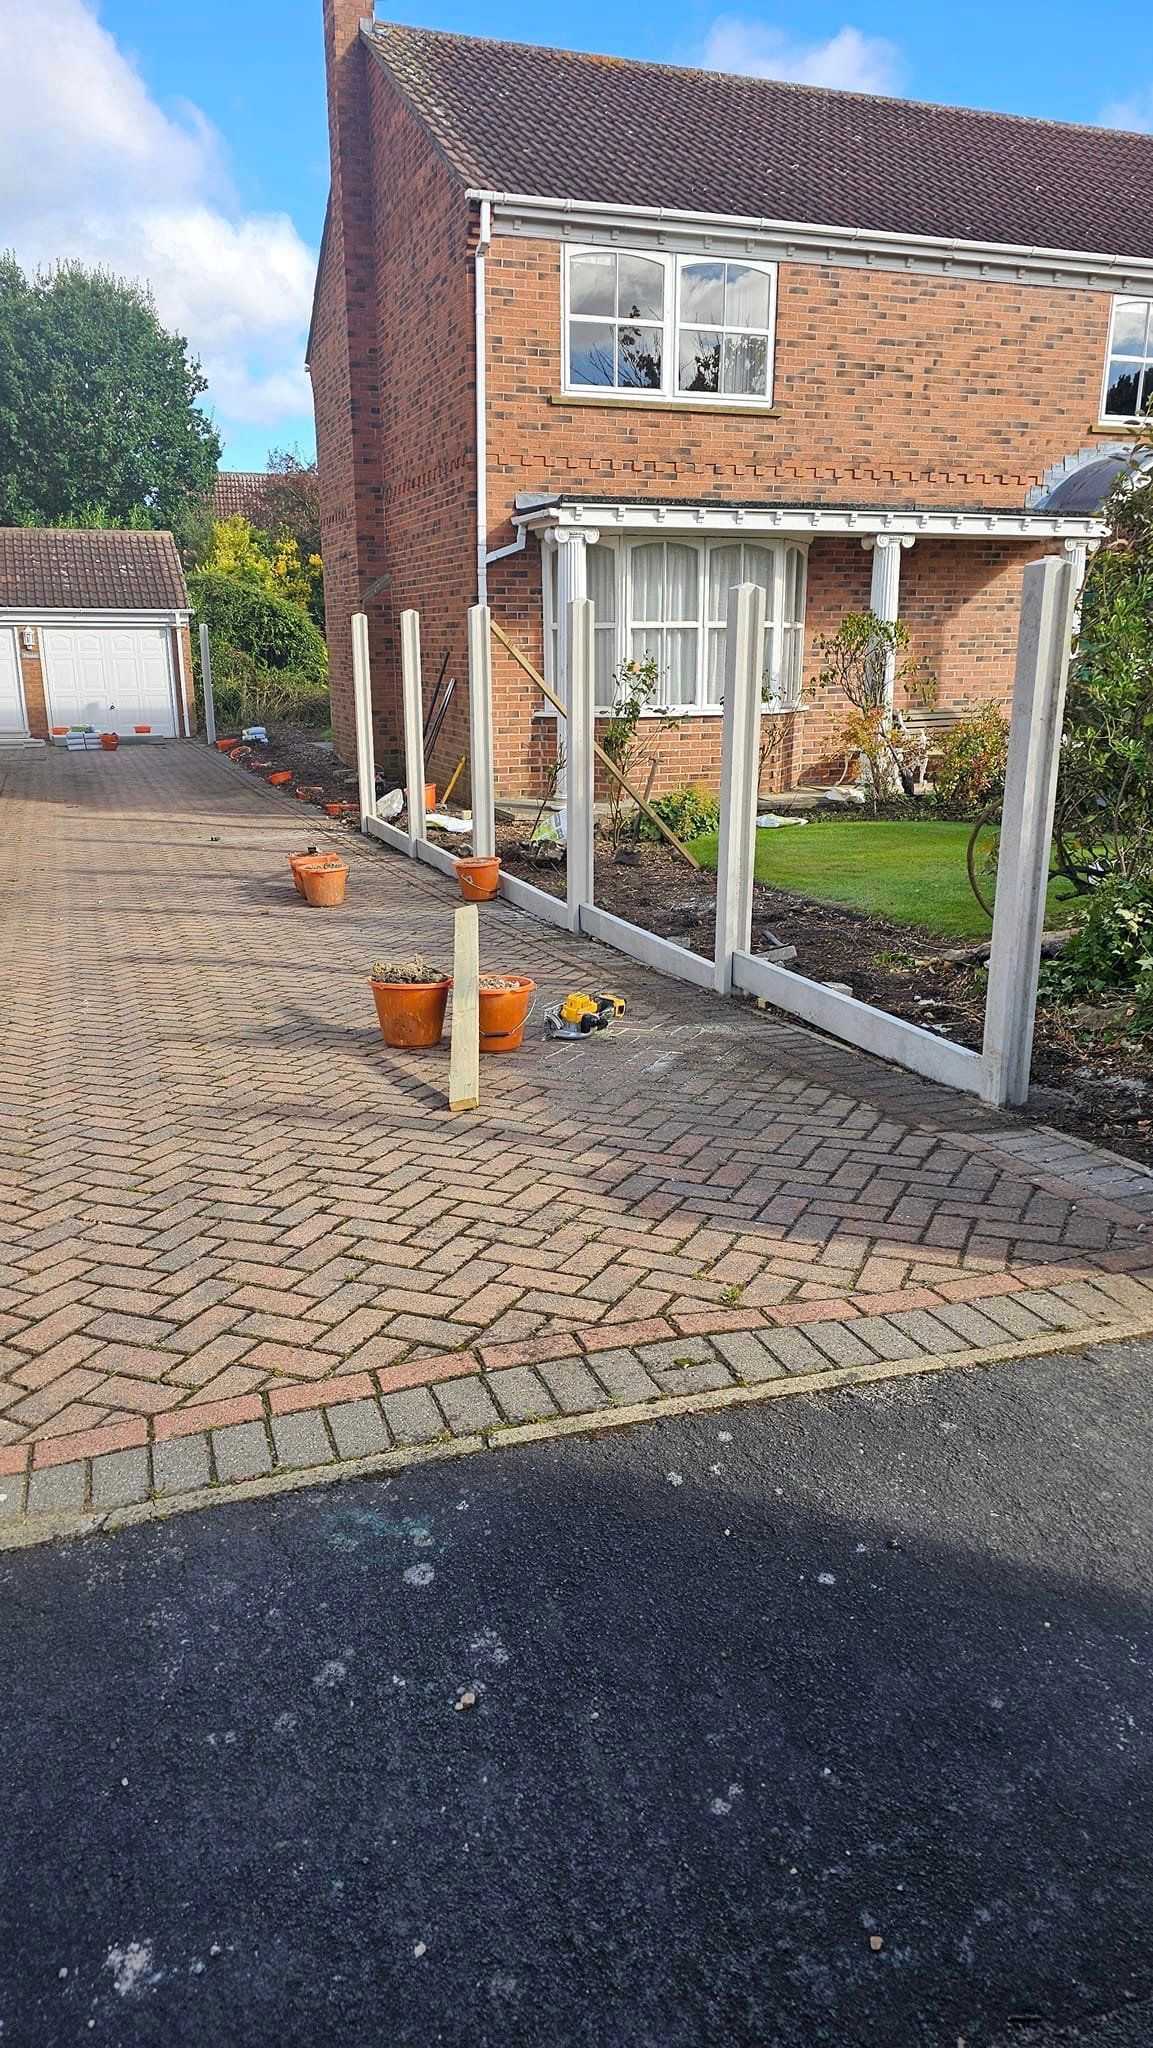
(464, 1058)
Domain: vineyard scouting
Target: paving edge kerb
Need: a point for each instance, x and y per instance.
(50, 1526)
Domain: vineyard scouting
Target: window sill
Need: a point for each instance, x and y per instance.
(1121, 430)
(655, 401)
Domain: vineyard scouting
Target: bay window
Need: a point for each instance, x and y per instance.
(668, 600)
(674, 326)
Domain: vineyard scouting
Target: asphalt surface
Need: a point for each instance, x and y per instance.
(753, 1693)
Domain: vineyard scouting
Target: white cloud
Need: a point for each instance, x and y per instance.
(91, 167)
(1136, 112)
(848, 60)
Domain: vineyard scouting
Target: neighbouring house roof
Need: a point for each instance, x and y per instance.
(514, 118)
(63, 568)
(237, 490)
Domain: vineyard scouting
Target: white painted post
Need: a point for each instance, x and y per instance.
(885, 591)
(480, 729)
(206, 687)
(1047, 603)
(744, 662)
(581, 763)
(464, 1051)
(413, 724)
(362, 701)
(572, 587)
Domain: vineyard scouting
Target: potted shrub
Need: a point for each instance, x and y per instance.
(504, 1009)
(410, 998)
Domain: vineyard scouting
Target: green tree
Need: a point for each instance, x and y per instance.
(98, 416)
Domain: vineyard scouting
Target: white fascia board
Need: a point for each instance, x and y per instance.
(784, 241)
(805, 521)
(85, 615)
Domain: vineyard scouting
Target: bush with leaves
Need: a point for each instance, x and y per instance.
(866, 660)
(967, 767)
(688, 812)
(274, 633)
(628, 746)
(1112, 953)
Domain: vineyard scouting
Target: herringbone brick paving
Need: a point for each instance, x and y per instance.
(222, 1199)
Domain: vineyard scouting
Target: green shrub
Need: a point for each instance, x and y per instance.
(1112, 953)
(247, 695)
(277, 636)
(968, 765)
(688, 812)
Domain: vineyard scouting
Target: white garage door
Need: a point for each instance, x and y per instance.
(112, 677)
(12, 717)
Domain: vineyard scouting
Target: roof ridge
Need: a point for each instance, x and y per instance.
(382, 29)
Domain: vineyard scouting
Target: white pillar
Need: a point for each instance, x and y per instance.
(581, 761)
(572, 587)
(885, 589)
(480, 729)
(744, 657)
(206, 686)
(1047, 605)
(362, 703)
(413, 724)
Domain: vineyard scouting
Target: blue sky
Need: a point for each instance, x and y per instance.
(188, 144)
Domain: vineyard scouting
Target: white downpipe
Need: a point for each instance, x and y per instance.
(484, 240)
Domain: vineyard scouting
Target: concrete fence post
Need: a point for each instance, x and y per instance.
(740, 749)
(1047, 605)
(413, 724)
(581, 764)
(362, 701)
(206, 687)
(480, 729)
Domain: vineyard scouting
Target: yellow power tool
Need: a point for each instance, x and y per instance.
(580, 1014)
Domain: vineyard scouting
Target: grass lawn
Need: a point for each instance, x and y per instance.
(914, 873)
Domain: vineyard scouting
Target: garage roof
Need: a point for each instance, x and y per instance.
(61, 568)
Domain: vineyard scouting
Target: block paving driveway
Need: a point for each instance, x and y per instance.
(239, 1235)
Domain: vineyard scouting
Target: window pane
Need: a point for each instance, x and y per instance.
(746, 372)
(724, 571)
(639, 357)
(1122, 394)
(640, 289)
(680, 682)
(590, 352)
(682, 574)
(794, 585)
(757, 567)
(602, 583)
(715, 667)
(1130, 319)
(1146, 389)
(699, 359)
(703, 293)
(746, 297)
(648, 581)
(604, 662)
(592, 284)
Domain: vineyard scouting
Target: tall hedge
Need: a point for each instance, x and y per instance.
(275, 634)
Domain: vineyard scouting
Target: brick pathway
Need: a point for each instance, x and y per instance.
(238, 1234)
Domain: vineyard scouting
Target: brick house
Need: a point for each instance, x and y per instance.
(93, 631)
(589, 327)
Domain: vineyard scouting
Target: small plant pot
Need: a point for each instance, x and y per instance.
(334, 810)
(109, 741)
(324, 878)
(411, 1013)
(226, 746)
(504, 1014)
(479, 877)
(142, 728)
(294, 862)
(280, 778)
(430, 796)
(58, 731)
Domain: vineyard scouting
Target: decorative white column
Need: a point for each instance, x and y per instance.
(572, 587)
(885, 591)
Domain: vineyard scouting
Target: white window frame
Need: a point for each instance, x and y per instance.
(1146, 361)
(779, 631)
(668, 391)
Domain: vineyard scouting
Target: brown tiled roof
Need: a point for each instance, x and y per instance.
(60, 567)
(510, 117)
(237, 490)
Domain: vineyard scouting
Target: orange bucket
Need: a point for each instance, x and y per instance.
(324, 880)
(109, 741)
(504, 1013)
(411, 1013)
(281, 778)
(479, 877)
(430, 796)
(294, 861)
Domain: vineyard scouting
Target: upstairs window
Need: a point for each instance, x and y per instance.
(675, 326)
(1129, 372)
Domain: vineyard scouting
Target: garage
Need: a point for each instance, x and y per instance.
(93, 633)
(115, 678)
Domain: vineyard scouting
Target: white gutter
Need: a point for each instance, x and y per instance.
(484, 239)
(821, 241)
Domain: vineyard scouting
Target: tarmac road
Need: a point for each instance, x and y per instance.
(823, 1721)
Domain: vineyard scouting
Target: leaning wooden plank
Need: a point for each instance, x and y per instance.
(605, 759)
(464, 1058)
